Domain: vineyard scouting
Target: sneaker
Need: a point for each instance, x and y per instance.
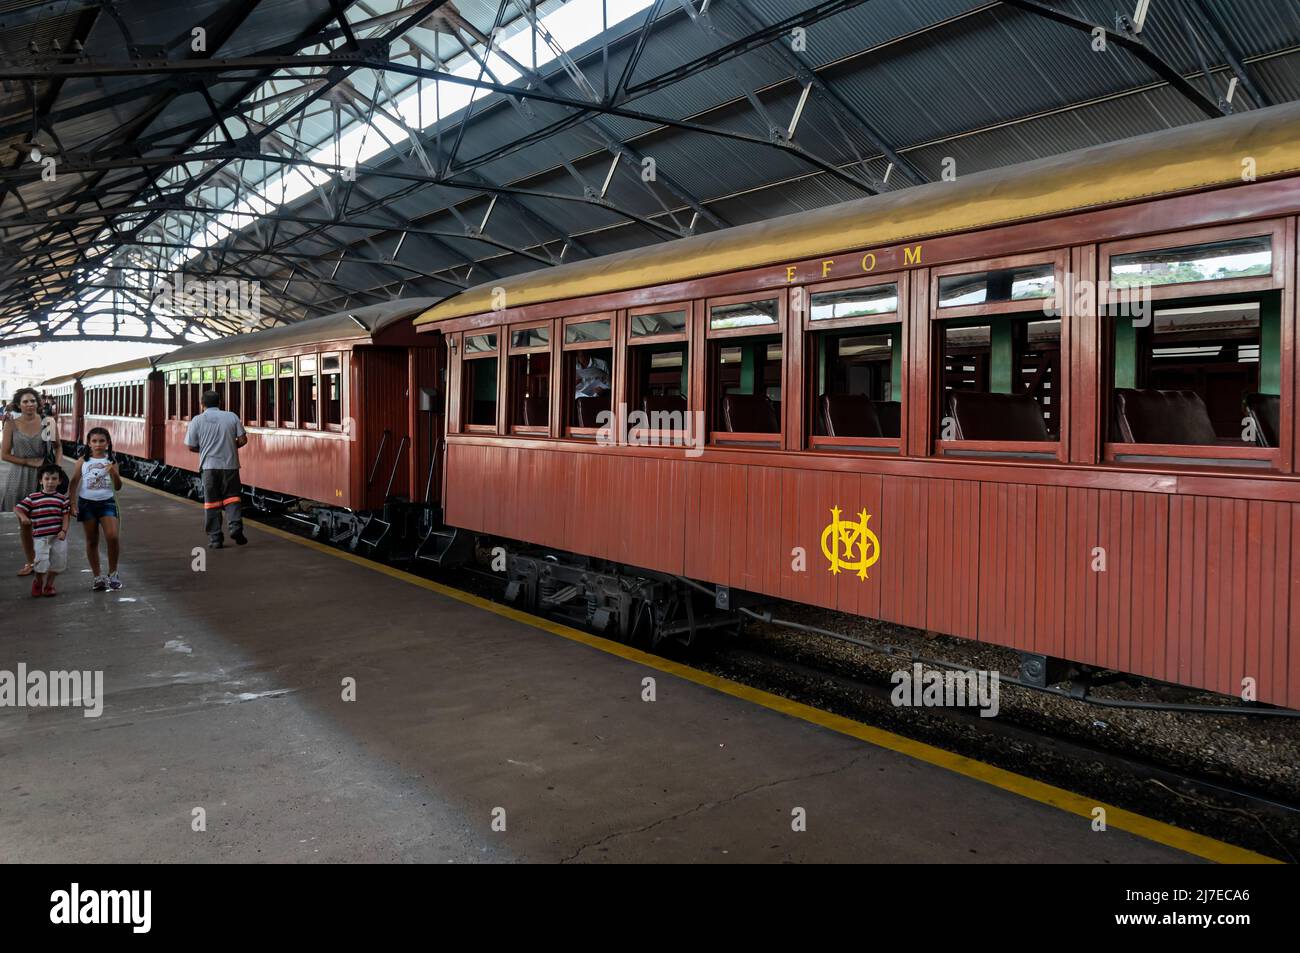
(216, 544)
(36, 588)
(100, 584)
(50, 590)
(239, 538)
(114, 583)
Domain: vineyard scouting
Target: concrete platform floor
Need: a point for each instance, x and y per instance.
(223, 691)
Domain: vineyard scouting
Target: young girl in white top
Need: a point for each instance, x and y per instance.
(94, 504)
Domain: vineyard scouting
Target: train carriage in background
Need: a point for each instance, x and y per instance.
(126, 400)
(344, 410)
(66, 390)
(1050, 406)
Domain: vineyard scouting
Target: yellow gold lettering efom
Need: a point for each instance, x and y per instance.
(850, 545)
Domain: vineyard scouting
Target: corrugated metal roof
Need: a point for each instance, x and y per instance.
(981, 82)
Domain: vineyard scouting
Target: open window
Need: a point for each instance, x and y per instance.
(480, 359)
(235, 397)
(307, 392)
(172, 413)
(658, 366)
(528, 380)
(249, 404)
(997, 343)
(588, 382)
(285, 397)
(183, 394)
(855, 385)
(331, 377)
(269, 416)
(744, 360)
(1195, 345)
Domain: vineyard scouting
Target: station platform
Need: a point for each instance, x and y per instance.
(223, 690)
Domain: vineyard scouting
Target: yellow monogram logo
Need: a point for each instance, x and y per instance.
(859, 545)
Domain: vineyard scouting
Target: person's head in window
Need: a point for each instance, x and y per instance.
(591, 375)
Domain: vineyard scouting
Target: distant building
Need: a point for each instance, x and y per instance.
(19, 367)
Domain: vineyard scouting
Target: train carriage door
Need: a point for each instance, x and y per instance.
(427, 415)
(382, 402)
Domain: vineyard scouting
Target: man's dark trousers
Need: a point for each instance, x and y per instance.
(221, 495)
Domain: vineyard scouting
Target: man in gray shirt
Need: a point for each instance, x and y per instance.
(216, 436)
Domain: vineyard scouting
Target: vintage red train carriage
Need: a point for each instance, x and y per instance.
(1049, 406)
(126, 400)
(66, 390)
(344, 409)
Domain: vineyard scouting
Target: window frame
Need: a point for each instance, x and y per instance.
(723, 438)
(682, 335)
(274, 420)
(513, 351)
(811, 329)
(314, 357)
(324, 397)
(687, 335)
(936, 318)
(1239, 459)
(565, 429)
(465, 406)
(1276, 229)
(283, 364)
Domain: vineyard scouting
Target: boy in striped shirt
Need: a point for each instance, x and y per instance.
(47, 512)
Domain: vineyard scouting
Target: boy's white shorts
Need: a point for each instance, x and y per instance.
(51, 554)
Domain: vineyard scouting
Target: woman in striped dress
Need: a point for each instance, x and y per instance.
(23, 448)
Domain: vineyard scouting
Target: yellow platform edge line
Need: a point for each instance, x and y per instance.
(1159, 832)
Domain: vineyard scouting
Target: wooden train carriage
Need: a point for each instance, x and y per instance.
(947, 407)
(343, 409)
(126, 400)
(66, 390)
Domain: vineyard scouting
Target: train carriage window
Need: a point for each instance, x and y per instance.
(1198, 372)
(1214, 261)
(745, 359)
(235, 390)
(286, 394)
(196, 392)
(528, 380)
(331, 370)
(659, 366)
(307, 391)
(183, 394)
(1195, 336)
(999, 286)
(479, 381)
(856, 380)
(588, 375)
(997, 357)
(269, 417)
(250, 394)
(171, 395)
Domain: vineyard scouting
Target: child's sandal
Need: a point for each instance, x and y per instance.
(27, 569)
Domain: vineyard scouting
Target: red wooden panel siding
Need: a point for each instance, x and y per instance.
(1197, 590)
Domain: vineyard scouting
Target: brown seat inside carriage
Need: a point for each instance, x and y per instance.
(985, 416)
(535, 410)
(664, 404)
(1162, 416)
(856, 415)
(850, 415)
(587, 410)
(748, 413)
(1264, 410)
